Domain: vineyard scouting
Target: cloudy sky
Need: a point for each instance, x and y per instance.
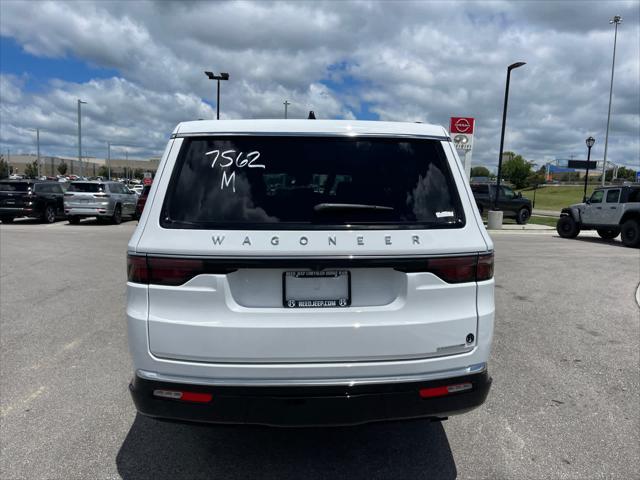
(139, 66)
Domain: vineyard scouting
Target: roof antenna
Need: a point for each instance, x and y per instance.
(312, 116)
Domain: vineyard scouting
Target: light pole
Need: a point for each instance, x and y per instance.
(286, 104)
(615, 20)
(504, 121)
(37, 130)
(109, 159)
(590, 141)
(80, 102)
(222, 76)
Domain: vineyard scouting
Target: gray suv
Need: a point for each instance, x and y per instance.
(610, 211)
(103, 200)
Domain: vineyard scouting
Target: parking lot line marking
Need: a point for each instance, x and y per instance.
(638, 295)
(23, 402)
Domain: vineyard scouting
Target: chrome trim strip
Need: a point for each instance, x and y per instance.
(459, 372)
(310, 134)
(313, 257)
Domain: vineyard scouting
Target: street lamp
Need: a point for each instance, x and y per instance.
(504, 121)
(286, 104)
(80, 102)
(222, 76)
(615, 20)
(590, 141)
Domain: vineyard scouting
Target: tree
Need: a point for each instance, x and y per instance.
(480, 172)
(31, 170)
(4, 168)
(627, 173)
(138, 173)
(62, 168)
(103, 171)
(516, 169)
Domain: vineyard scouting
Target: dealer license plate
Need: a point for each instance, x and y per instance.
(321, 289)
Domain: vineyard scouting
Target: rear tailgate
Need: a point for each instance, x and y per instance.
(389, 303)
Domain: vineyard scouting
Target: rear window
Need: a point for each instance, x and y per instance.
(86, 187)
(14, 186)
(257, 182)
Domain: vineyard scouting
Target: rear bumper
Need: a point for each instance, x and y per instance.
(310, 405)
(88, 211)
(31, 211)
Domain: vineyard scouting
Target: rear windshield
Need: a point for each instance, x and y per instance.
(14, 186)
(86, 187)
(256, 182)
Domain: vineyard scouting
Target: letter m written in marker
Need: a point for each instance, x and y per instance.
(217, 240)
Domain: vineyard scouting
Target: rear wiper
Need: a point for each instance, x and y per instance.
(326, 207)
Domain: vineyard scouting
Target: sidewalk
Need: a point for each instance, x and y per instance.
(545, 213)
(528, 226)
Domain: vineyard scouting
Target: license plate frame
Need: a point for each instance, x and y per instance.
(306, 275)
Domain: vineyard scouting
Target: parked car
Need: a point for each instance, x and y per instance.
(103, 200)
(610, 211)
(142, 200)
(307, 272)
(30, 198)
(513, 204)
(137, 188)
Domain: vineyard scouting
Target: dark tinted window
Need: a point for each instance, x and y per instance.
(634, 195)
(298, 182)
(14, 186)
(85, 187)
(484, 189)
(613, 196)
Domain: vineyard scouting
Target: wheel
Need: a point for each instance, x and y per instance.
(74, 220)
(6, 219)
(608, 233)
(631, 233)
(523, 216)
(116, 218)
(49, 214)
(567, 227)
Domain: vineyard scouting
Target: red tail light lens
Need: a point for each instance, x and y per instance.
(467, 268)
(454, 269)
(444, 390)
(485, 267)
(168, 271)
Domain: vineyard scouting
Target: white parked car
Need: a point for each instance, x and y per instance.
(309, 272)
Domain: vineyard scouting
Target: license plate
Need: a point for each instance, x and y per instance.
(324, 289)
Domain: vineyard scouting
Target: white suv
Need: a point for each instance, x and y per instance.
(308, 272)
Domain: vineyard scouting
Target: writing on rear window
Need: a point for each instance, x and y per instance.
(231, 157)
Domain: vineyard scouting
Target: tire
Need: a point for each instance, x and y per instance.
(116, 218)
(74, 220)
(567, 227)
(6, 219)
(523, 216)
(49, 214)
(608, 233)
(631, 233)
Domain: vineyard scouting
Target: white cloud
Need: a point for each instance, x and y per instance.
(409, 61)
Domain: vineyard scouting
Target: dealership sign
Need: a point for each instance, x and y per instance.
(461, 129)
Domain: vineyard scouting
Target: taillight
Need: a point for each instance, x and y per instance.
(453, 269)
(137, 270)
(467, 268)
(168, 271)
(444, 390)
(485, 267)
(196, 397)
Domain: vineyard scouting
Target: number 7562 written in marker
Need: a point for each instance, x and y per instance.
(230, 157)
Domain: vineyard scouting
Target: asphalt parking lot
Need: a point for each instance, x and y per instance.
(564, 402)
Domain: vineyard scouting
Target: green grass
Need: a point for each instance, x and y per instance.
(556, 197)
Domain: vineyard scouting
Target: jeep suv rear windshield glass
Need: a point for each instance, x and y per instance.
(86, 187)
(14, 186)
(261, 182)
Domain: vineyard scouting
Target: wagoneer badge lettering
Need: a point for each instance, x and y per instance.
(332, 240)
